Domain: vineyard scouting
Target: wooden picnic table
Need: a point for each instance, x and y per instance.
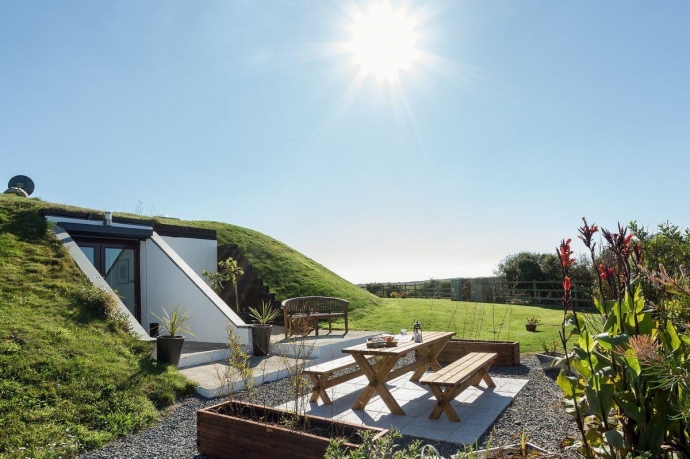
(385, 359)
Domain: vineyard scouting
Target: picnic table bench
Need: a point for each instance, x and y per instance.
(303, 313)
(321, 376)
(451, 380)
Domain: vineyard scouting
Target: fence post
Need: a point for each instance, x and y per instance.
(534, 291)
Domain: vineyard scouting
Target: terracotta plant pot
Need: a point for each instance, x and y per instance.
(240, 430)
(531, 327)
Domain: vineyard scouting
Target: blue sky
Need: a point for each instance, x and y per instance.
(519, 119)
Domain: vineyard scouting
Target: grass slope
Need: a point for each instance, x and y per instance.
(287, 272)
(71, 377)
(469, 320)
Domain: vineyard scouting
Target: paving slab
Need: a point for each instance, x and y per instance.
(477, 407)
(206, 363)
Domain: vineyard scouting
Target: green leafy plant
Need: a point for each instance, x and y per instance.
(228, 271)
(532, 320)
(629, 392)
(384, 448)
(176, 322)
(264, 315)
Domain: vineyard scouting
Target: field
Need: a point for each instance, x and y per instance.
(470, 320)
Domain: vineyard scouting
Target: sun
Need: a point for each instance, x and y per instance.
(383, 42)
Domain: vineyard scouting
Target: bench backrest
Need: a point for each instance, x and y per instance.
(314, 304)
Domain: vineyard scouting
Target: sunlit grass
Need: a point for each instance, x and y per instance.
(483, 321)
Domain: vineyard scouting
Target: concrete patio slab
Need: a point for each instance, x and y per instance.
(477, 407)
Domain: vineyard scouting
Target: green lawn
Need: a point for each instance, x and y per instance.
(470, 320)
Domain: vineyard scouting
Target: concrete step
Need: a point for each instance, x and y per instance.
(207, 365)
(216, 379)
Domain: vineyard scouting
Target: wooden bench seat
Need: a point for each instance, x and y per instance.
(302, 314)
(321, 376)
(450, 381)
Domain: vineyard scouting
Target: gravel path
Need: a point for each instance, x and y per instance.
(537, 409)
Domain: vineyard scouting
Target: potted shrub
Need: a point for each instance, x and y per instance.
(531, 324)
(169, 347)
(261, 329)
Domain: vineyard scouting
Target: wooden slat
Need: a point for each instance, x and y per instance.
(459, 370)
(401, 349)
(332, 366)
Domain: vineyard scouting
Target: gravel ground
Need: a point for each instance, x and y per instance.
(536, 409)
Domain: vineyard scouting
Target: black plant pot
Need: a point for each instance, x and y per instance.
(261, 338)
(169, 349)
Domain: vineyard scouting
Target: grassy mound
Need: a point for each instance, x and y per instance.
(287, 272)
(71, 377)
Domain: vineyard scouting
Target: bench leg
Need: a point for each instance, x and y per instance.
(319, 391)
(346, 327)
(443, 399)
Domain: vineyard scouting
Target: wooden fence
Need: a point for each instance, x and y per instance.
(486, 290)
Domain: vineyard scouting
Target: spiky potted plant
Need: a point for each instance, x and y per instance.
(169, 347)
(261, 328)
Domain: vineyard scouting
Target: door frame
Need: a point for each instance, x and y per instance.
(99, 245)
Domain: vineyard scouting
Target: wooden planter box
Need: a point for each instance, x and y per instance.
(508, 351)
(514, 451)
(244, 430)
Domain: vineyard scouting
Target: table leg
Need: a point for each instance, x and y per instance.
(377, 376)
(429, 353)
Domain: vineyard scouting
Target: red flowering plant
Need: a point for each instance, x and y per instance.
(621, 395)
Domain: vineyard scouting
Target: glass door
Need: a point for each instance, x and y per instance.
(118, 263)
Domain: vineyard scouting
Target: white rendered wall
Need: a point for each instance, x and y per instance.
(171, 283)
(199, 254)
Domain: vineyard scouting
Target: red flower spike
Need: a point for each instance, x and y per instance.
(566, 284)
(586, 233)
(606, 273)
(564, 253)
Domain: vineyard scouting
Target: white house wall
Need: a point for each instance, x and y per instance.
(171, 283)
(170, 276)
(199, 254)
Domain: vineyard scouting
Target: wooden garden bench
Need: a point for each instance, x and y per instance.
(321, 376)
(450, 381)
(303, 313)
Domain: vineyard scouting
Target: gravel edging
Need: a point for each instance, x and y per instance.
(536, 408)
